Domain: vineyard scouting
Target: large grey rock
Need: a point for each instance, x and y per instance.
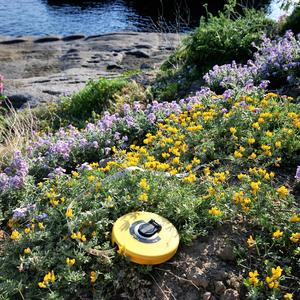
(48, 68)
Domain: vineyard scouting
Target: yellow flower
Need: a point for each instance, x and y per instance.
(40, 184)
(91, 178)
(69, 213)
(251, 242)
(191, 178)
(255, 186)
(256, 126)
(175, 160)
(237, 154)
(75, 174)
(42, 285)
(165, 155)
(93, 277)
(278, 144)
(219, 177)
(288, 296)
(282, 191)
(214, 211)
(98, 187)
(27, 230)
(70, 261)
(27, 250)
(83, 238)
(15, 235)
(50, 276)
(276, 273)
(265, 148)
(241, 176)
(253, 278)
(295, 238)
(41, 225)
(143, 197)
(53, 278)
(206, 171)
(251, 141)
(294, 219)
(144, 185)
(232, 130)
(211, 191)
(269, 133)
(277, 234)
(252, 156)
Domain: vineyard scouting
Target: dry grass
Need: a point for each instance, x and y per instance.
(16, 131)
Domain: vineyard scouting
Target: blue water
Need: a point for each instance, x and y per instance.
(64, 17)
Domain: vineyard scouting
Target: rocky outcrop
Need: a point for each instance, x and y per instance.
(43, 69)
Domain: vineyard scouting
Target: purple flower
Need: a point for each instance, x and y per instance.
(22, 212)
(264, 84)
(41, 217)
(57, 172)
(297, 176)
(227, 94)
(151, 117)
(224, 110)
(243, 104)
(85, 166)
(117, 135)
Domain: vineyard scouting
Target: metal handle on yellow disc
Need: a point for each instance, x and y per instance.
(149, 229)
(146, 237)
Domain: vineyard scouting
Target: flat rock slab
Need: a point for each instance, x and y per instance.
(43, 69)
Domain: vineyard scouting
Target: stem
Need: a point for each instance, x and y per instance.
(20, 292)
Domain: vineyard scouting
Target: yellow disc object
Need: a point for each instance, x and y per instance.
(146, 238)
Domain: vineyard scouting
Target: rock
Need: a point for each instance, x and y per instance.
(219, 274)
(230, 294)
(52, 67)
(112, 66)
(219, 287)
(141, 46)
(192, 295)
(234, 282)
(145, 66)
(73, 37)
(47, 39)
(198, 278)
(18, 100)
(11, 42)
(226, 253)
(138, 53)
(207, 296)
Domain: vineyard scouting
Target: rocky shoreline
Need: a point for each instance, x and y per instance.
(43, 69)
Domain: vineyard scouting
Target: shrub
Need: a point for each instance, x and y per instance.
(293, 21)
(97, 96)
(223, 38)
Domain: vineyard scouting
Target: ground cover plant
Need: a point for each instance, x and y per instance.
(211, 160)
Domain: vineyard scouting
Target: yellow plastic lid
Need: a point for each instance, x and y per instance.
(146, 238)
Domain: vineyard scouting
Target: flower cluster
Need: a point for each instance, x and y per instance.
(275, 60)
(15, 175)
